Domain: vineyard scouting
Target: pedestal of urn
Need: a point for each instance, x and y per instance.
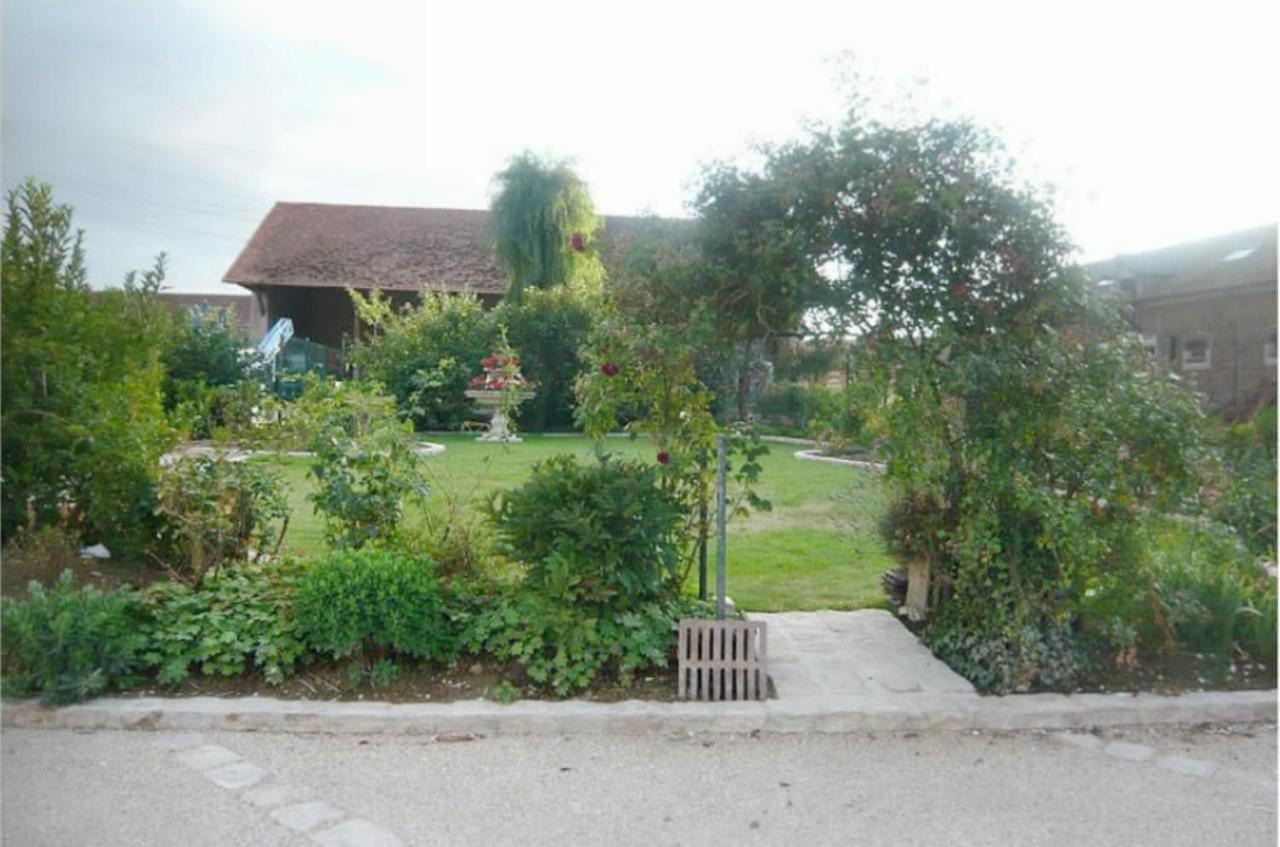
(491, 401)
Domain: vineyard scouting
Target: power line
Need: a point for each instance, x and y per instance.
(116, 192)
(72, 189)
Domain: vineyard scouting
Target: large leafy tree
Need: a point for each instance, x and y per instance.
(1024, 432)
(544, 225)
(83, 423)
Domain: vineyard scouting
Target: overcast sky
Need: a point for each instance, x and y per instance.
(175, 125)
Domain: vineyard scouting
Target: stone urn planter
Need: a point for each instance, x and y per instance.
(490, 401)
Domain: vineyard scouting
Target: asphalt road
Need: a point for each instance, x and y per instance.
(1170, 787)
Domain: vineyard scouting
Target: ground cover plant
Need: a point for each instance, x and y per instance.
(66, 643)
(236, 621)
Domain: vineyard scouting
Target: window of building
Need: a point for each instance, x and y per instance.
(1149, 343)
(1269, 349)
(1196, 354)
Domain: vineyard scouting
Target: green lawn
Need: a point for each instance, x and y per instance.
(817, 549)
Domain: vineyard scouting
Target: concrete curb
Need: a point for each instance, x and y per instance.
(240, 454)
(817, 456)
(484, 718)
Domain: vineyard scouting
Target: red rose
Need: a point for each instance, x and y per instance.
(609, 369)
(579, 243)
(663, 458)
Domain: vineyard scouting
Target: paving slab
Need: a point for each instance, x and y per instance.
(236, 775)
(269, 795)
(305, 817)
(208, 757)
(867, 652)
(356, 832)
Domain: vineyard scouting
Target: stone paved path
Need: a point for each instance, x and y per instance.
(863, 653)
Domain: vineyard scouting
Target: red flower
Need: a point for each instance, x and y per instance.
(609, 369)
(579, 243)
(960, 291)
(663, 458)
(498, 383)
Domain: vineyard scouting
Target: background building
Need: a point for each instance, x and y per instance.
(303, 257)
(1208, 308)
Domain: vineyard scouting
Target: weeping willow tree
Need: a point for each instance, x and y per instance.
(544, 225)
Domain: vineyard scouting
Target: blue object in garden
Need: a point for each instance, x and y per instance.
(275, 339)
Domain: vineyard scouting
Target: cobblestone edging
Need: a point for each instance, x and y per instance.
(315, 819)
(834, 714)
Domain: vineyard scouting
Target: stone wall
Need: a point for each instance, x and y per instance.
(1237, 324)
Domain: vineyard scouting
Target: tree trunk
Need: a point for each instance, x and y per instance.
(916, 606)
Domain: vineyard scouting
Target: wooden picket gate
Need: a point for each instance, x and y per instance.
(723, 660)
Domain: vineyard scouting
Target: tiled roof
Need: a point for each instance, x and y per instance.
(386, 247)
(1247, 257)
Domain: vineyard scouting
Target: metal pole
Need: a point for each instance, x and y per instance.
(702, 546)
(704, 527)
(721, 498)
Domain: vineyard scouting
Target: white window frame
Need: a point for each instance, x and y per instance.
(1151, 344)
(1197, 364)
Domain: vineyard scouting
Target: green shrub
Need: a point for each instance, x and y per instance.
(83, 420)
(1217, 595)
(68, 644)
(603, 533)
(365, 460)
(1029, 469)
(548, 326)
(1248, 499)
(223, 413)
(368, 603)
(216, 511)
(206, 349)
(235, 622)
(567, 648)
(425, 354)
(793, 408)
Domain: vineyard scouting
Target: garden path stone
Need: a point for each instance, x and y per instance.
(1129, 752)
(866, 653)
(268, 796)
(208, 757)
(305, 817)
(356, 832)
(237, 775)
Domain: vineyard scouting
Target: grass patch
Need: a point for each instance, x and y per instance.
(817, 549)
